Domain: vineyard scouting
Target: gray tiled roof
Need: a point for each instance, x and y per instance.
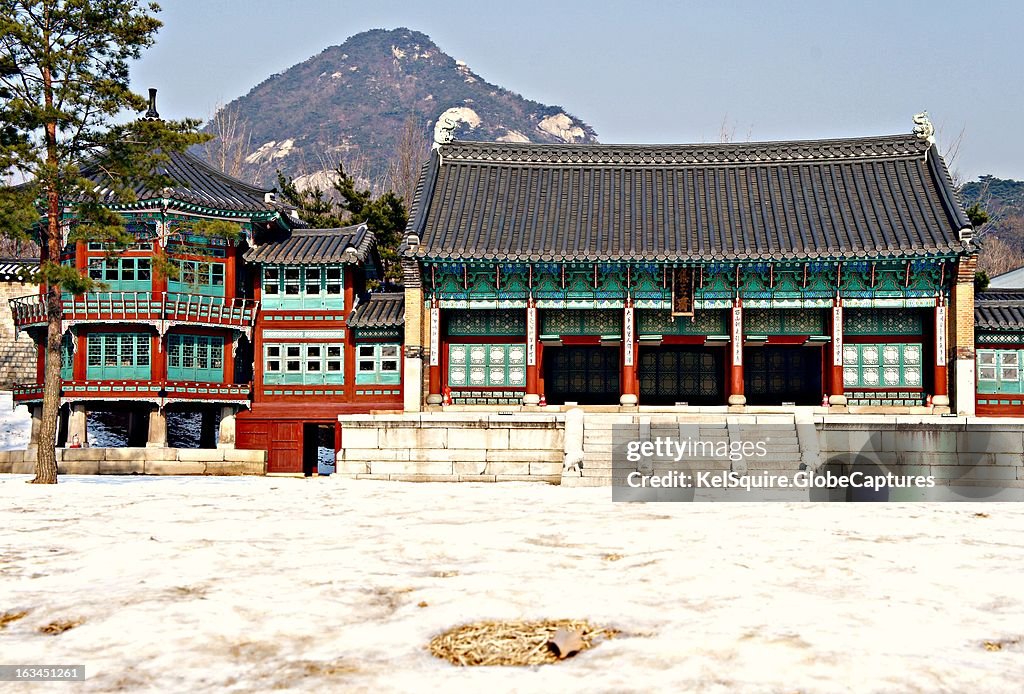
(385, 310)
(198, 183)
(315, 246)
(1001, 309)
(880, 196)
(9, 269)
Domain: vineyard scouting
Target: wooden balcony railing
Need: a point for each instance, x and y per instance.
(198, 309)
(144, 390)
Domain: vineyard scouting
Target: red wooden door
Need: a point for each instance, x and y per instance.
(285, 451)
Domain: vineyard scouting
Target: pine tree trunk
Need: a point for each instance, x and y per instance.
(46, 458)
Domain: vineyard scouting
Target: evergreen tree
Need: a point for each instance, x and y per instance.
(63, 89)
(386, 216)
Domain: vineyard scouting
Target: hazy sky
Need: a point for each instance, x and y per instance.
(656, 71)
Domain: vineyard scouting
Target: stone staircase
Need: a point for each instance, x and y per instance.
(712, 437)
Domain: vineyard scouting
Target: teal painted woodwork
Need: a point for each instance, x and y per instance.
(122, 274)
(784, 322)
(118, 356)
(487, 365)
(378, 364)
(713, 322)
(303, 363)
(882, 321)
(303, 287)
(196, 277)
(893, 365)
(581, 322)
(67, 357)
(999, 371)
(487, 322)
(195, 358)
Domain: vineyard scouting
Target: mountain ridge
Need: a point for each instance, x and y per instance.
(362, 101)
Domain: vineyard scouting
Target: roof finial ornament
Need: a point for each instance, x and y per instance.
(923, 127)
(151, 114)
(444, 129)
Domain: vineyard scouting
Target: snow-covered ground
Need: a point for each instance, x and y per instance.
(247, 584)
(15, 423)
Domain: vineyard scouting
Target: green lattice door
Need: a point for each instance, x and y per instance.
(586, 375)
(774, 375)
(693, 375)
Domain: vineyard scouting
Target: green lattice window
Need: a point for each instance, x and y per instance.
(122, 274)
(67, 358)
(882, 365)
(196, 277)
(581, 322)
(118, 356)
(377, 363)
(784, 322)
(882, 321)
(303, 287)
(999, 371)
(483, 322)
(195, 358)
(486, 365)
(303, 363)
(663, 323)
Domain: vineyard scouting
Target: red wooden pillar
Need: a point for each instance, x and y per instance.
(81, 259)
(158, 281)
(79, 362)
(941, 395)
(836, 389)
(158, 358)
(434, 385)
(532, 396)
(229, 276)
(628, 398)
(229, 360)
(736, 396)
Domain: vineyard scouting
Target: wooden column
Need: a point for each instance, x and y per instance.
(158, 357)
(81, 261)
(229, 276)
(628, 398)
(836, 389)
(736, 396)
(532, 396)
(941, 396)
(229, 359)
(434, 384)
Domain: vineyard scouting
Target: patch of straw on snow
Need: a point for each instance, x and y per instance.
(511, 642)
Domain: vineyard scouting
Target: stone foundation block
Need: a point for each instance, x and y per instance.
(401, 467)
(371, 454)
(478, 438)
(476, 478)
(232, 468)
(549, 479)
(174, 467)
(423, 478)
(79, 467)
(544, 438)
(359, 438)
(465, 455)
(546, 469)
(122, 467)
(200, 455)
(125, 453)
(352, 467)
(524, 454)
(76, 454)
(243, 455)
(470, 468)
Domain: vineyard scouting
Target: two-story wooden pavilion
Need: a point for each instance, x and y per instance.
(740, 273)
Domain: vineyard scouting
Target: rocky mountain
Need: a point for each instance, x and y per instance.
(360, 103)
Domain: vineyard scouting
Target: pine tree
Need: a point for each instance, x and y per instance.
(63, 89)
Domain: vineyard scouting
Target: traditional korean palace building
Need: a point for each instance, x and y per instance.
(269, 337)
(999, 325)
(741, 274)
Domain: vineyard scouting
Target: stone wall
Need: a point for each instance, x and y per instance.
(143, 461)
(964, 452)
(17, 352)
(453, 447)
